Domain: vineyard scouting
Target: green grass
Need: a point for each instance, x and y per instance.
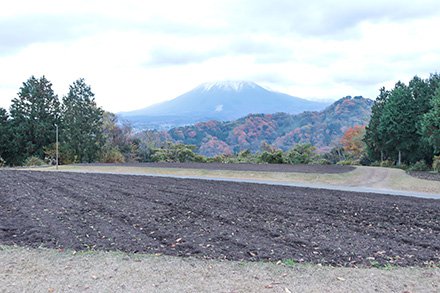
(289, 262)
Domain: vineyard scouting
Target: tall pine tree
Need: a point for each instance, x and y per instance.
(374, 138)
(81, 123)
(397, 125)
(430, 124)
(34, 114)
(5, 136)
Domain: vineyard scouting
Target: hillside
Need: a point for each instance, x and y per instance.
(221, 101)
(322, 129)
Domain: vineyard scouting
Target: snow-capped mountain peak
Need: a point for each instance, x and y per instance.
(224, 100)
(232, 85)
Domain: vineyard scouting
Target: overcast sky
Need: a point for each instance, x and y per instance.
(136, 53)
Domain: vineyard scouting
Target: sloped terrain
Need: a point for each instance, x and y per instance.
(221, 101)
(322, 129)
(221, 220)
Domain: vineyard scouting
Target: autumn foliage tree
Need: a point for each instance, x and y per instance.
(352, 141)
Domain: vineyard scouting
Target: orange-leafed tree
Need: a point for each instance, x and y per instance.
(352, 141)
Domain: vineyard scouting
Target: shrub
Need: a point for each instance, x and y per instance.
(419, 166)
(365, 160)
(320, 162)
(219, 159)
(33, 161)
(375, 164)
(300, 154)
(436, 163)
(387, 163)
(111, 155)
(345, 163)
(335, 155)
(2, 162)
(275, 157)
(176, 153)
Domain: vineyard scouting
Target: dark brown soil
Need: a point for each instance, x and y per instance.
(425, 175)
(211, 219)
(329, 169)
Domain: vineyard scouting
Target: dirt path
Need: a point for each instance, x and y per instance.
(373, 178)
(42, 270)
(366, 179)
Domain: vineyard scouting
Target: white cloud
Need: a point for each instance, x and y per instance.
(136, 53)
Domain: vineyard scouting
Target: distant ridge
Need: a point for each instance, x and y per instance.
(322, 129)
(223, 101)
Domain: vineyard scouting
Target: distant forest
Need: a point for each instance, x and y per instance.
(404, 130)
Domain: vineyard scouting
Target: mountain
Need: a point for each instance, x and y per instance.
(217, 101)
(322, 129)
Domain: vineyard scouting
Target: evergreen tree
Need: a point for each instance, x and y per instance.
(397, 125)
(422, 92)
(374, 138)
(34, 114)
(430, 124)
(81, 130)
(5, 136)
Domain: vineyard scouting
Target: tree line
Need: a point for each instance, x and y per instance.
(28, 130)
(405, 123)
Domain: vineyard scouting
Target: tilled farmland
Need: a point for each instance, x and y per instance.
(213, 219)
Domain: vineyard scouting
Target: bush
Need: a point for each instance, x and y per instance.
(176, 153)
(345, 162)
(219, 159)
(419, 166)
(320, 162)
(335, 155)
(111, 155)
(300, 154)
(33, 161)
(387, 163)
(375, 164)
(2, 162)
(365, 160)
(275, 157)
(436, 163)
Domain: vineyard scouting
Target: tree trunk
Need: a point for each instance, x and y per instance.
(381, 156)
(400, 159)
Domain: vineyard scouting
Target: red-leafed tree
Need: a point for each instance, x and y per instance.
(352, 141)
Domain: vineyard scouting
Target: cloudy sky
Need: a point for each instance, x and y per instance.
(135, 53)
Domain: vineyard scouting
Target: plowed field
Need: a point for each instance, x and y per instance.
(213, 219)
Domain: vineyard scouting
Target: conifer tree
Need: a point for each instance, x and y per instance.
(5, 136)
(34, 114)
(374, 138)
(398, 123)
(81, 123)
(431, 123)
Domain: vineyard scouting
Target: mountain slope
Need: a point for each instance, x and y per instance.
(218, 101)
(322, 129)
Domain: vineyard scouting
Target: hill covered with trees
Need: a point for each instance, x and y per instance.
(280, 130)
